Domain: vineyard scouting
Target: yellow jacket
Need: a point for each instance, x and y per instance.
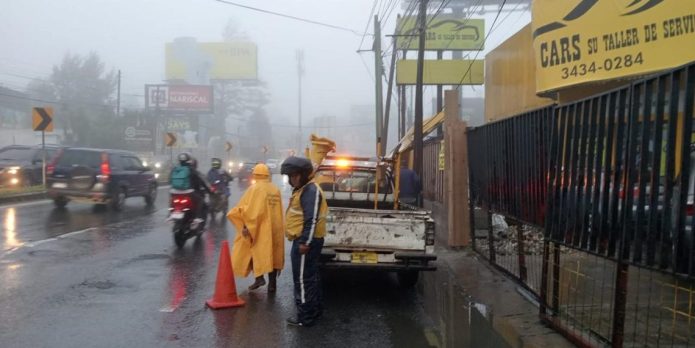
(260, 209)
(306, 214)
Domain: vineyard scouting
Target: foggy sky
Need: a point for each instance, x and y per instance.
(130, 35)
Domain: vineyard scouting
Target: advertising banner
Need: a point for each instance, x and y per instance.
(199, 62)
(582, 41)
(442, 72)
(446, 33)
(185, 128)
(194, 98)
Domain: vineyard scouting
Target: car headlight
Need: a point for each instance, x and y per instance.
(241, 165)
(156, 175)
(230, 164)
(144, 163)
(13, 170)
(158, 165)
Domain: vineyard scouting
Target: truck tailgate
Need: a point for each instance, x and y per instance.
(350, 228)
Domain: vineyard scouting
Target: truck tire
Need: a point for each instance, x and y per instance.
(407, 279)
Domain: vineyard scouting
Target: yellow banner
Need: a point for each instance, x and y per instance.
(581, 41)
(442, 72)
(443, 33)
(192, 61)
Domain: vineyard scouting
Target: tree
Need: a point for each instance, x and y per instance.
(83, 90)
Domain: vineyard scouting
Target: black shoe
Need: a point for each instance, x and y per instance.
(296, 322)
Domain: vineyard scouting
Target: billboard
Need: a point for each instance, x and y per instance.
(193, 98)
(185, 128)
(442, 72)
(585, 41)
(444, 32)
(200, 62)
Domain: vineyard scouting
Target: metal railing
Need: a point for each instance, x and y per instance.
(599, 197)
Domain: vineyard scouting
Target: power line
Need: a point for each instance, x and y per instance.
(492, 28)
(290, 17)
(366, 27)
(55, 101)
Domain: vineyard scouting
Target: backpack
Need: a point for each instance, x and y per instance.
(181, 178)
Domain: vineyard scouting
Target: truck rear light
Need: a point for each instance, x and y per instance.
(429, 233)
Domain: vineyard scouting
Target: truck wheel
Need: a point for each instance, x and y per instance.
(407, 279)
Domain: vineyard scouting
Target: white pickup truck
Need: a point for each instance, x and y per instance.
(361, 237)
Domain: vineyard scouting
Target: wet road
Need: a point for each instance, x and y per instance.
(95, 278)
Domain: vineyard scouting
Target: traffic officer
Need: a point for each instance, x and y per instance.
(305, 227)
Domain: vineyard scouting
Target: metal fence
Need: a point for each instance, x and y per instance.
(598, 195)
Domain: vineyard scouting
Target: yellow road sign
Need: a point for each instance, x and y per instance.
(265, 149)
(42, 119)
(228, 146)
(170, 139)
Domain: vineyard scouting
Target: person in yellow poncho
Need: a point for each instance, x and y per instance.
(259, 243)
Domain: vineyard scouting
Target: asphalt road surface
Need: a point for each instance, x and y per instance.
(89, 277)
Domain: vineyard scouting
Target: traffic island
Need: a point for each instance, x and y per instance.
(21, 194)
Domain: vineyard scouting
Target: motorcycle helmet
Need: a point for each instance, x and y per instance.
(184, 159)
(216, 163)
(297, 165)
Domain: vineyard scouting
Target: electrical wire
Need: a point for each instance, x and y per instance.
(366, 27)
(492, 28)
(290, 17)
(55, 101)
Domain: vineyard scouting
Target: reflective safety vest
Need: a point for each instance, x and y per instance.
(294, 217)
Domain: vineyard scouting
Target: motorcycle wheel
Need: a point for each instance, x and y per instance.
(179, 235)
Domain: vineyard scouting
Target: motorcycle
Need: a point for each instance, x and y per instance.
(219, 199)
(182, 214)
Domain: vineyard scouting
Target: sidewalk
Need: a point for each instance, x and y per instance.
(476, 305)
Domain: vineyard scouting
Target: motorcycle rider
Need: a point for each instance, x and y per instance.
(185, 176)
(217, 173)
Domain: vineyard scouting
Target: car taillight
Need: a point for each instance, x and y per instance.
(690, 210)
(50, 168)
(105, 168)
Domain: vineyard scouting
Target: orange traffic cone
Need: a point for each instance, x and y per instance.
(225, 287)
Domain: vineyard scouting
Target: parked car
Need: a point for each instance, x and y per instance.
(100, 177)
(21, 165)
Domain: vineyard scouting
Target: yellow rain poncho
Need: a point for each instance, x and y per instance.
(260, 210)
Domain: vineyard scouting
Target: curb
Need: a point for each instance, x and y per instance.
(23, 197)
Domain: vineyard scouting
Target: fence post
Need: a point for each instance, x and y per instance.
(521, 253)
(456, 168)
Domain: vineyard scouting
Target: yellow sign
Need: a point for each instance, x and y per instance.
(442, 72)
(192, 61)
(583, 41)
(42, 119)
(446, 33)
(228, 146)
(442, 157)
(170, 139)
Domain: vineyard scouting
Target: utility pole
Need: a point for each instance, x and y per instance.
(440, 96)
(389, 94)
(118, 96)
(417, 126)
(378, 72)
(300, 73)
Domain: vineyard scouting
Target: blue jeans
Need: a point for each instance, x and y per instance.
(308, 295)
